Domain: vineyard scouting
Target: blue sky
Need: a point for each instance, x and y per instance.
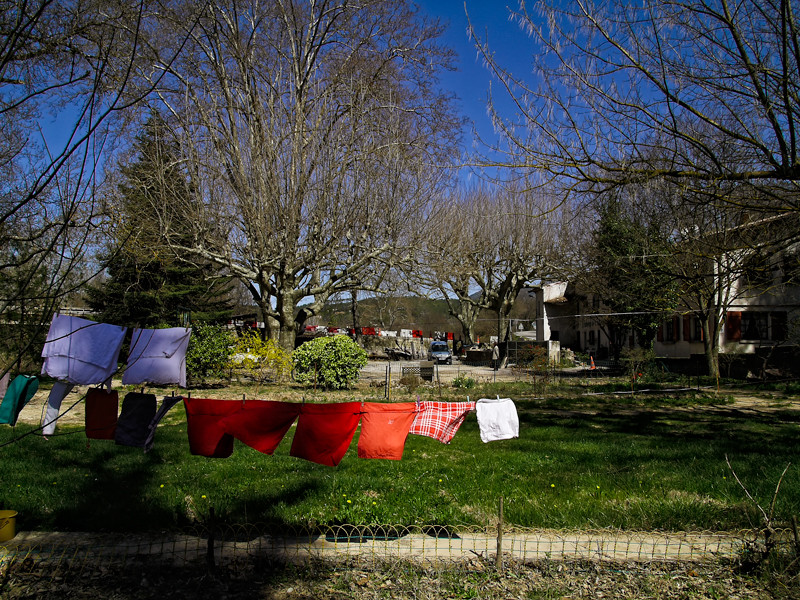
(471, 82)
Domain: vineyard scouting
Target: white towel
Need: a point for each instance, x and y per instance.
(158, 356)
(497, 419)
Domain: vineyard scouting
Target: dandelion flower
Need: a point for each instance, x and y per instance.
(203, 496)
(552, 485)
(349, 501)
(162, 485)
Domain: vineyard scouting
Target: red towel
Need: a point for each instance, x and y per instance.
(441, 420)
(384, 429)
(262, 424)
(207, 436)
(324, 431)
(102, 408)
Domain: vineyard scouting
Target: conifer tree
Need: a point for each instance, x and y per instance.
(149, 285)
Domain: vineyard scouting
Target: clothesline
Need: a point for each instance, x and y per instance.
(79, 351)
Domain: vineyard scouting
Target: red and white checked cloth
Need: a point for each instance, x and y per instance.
(440, 420)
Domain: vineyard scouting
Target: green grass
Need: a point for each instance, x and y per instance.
(579, 463)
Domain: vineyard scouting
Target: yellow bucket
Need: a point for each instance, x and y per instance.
(8, 523)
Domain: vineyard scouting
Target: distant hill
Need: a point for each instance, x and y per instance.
(391, 313)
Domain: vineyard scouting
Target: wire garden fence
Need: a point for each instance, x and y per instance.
(218, 545)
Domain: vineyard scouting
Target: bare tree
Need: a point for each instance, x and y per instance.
(688, 92)
(721, 256)
(665, 251)
(482, 249)
(72, 64)
(315, 134)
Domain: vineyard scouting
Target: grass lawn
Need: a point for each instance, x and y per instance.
(580, 462)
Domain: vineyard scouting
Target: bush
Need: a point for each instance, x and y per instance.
(464, 382)
(639, 363)
(209, 351)
(262, 359)
(332, 362)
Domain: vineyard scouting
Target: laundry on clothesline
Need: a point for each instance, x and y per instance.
(157, 356)
(57, 394)
(138, 410)
(166, 404)
(101, 415)
(384, 429)
(440, 420)
(497, 419)
(324, 432)
(16, 396)
(135, 425)
(207, 434)
(261, 424)
(80, 351)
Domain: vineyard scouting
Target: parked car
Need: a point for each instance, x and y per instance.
(440, 353)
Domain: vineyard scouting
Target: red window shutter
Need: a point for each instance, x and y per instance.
(687, 328)
(733, 326)
(660, 333)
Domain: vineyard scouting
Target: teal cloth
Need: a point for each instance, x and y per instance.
(17, 396)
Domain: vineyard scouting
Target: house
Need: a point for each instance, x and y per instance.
(573, 319)
(762, 315)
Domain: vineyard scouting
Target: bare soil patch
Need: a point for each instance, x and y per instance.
(334, 581)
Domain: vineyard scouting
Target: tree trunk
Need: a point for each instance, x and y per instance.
(710, 346)
(287, 332)
(467, 315)
(354, 312)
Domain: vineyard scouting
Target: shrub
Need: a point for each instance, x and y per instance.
(209, 351)
(638, 362)
(332, 362)
(262, 359)
(533, 357)
(464, 382)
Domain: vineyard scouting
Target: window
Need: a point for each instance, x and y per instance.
(669, 331)
(697, 335)
(591, 336)
(755, 325)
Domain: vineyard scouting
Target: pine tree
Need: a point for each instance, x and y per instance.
(147, 285)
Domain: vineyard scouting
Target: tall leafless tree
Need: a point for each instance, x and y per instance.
(316, 135)
(483, 248)
(688, 92)
(65, 85)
